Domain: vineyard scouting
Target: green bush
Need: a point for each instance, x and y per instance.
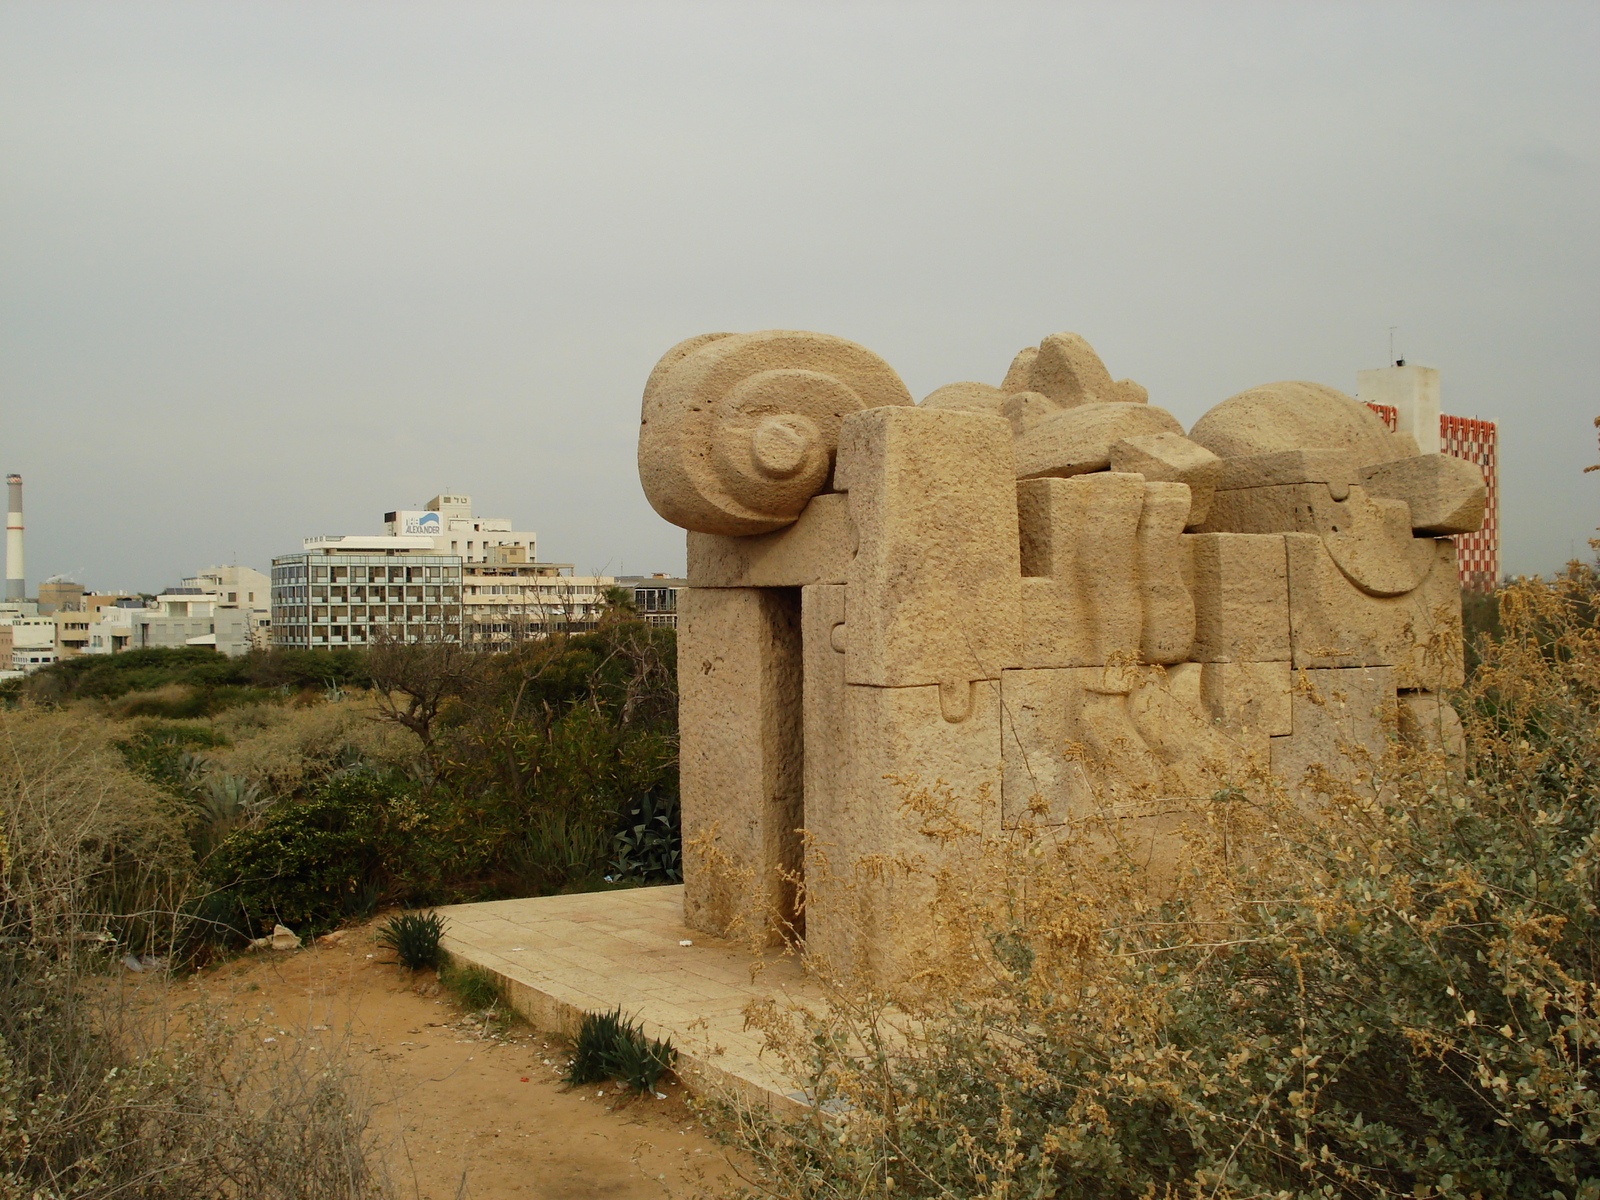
(311, 863)
(550, 745)
(109, 676)
(474, 987)
(164, 753)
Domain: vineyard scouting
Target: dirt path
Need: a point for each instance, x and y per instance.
(468, 1108)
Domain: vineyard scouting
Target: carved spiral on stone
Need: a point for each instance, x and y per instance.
(739, 430)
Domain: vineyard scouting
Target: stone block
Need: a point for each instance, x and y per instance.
(740, 757)
(830, 911)
(1166, 606)
(1078, 440)
(909, 755)
(815, 549)
(973, 397)
(1333, 623)
(1369, 537)
(1240, 585)
(935, 582)
(1067, 369)
(1336, 468)
(1019, 376)
(1080, 540)
(1344, 720)
(1429, 722)
(1444, 495)
(1130, 746)
(1241, 696)
(1026, 409)
(1169, 457)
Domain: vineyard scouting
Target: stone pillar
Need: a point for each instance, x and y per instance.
(902, 677)
(740, 759)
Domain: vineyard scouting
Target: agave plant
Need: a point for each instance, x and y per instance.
(609, 1046)
(414, 938)
(227, 798)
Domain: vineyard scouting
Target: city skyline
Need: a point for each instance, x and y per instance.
(269, 272)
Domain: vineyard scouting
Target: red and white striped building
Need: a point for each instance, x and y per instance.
(1407, 398)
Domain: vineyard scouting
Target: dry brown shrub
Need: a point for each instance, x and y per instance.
(284, 748)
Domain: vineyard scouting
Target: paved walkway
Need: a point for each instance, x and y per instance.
(562, 956)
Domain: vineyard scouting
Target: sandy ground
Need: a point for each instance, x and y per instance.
(465, 1107)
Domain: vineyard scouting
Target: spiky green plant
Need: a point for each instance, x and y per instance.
(609, 1046)
(414, 938)
(597, 1033)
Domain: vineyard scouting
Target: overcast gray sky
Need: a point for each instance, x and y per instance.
(270, 269)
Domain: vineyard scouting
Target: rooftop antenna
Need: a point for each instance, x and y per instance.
(1399, 362)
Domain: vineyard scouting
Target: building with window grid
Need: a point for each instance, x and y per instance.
(354, 591)
(507, 600)
(655, 597)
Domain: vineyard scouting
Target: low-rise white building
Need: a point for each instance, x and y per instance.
(508, 599)
(33, 642)
(244, 588)
(189, 617)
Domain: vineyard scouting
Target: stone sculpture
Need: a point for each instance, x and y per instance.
(1044, 597)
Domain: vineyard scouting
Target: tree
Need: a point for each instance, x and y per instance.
(413, 681)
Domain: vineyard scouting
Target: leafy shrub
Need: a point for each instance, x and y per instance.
(1391, 997)
(609, 1046)
(414, 938)
(164, 753)
(291, 750)
(85, 843)
(108, 676)
(309, 863)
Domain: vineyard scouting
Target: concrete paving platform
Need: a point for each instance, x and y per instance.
(559, 957)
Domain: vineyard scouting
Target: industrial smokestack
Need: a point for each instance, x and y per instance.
(16, 588)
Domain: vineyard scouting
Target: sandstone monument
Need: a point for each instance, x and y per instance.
(1043, 597)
